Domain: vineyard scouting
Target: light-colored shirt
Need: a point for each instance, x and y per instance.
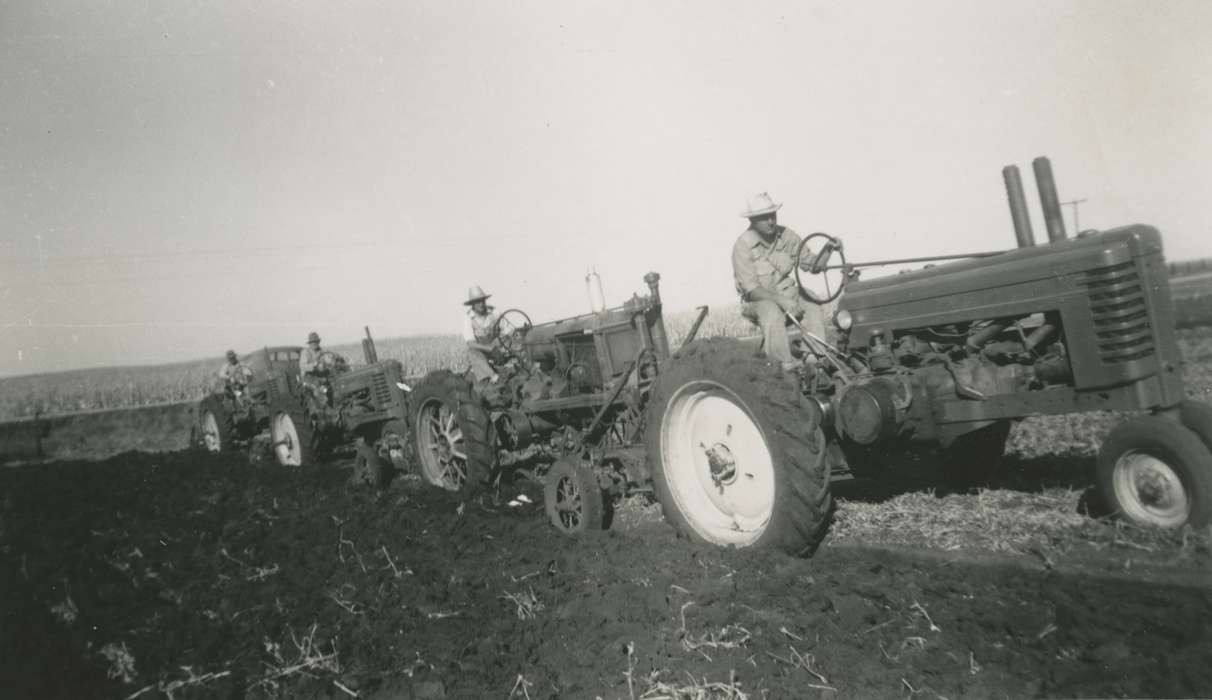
(478, 328)
(758, 264)
(238, 374)
(309, 359)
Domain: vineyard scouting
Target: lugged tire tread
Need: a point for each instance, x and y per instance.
(803, 500)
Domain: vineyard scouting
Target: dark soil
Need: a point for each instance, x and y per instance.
(244, 574)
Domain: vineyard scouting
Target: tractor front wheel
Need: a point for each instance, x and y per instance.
(451, 433)
(214, 424)
(1154, 471)
(291, 439)
(736, 453)
(574, 501)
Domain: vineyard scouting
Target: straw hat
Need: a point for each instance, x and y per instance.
(475, 293)
(760, 204)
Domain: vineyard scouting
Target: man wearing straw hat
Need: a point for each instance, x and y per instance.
(763, 262)
(479, 331)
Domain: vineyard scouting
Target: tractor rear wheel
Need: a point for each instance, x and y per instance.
(574, 501)
(1155, 471)
(291, 438)
(214, 424)
(736, 453)
(451, 433)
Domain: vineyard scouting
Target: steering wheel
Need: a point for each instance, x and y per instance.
(509, 329)
(822, 287)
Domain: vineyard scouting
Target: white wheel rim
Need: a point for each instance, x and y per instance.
(705, 422)
(441, 446)
(286, 441)
(210, 432)
(1149, 490)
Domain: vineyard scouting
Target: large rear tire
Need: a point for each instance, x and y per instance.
(291, 439)
(451, 433)
(737, 455)
(1154, 471)
(214, 424)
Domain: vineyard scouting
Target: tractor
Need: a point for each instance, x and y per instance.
(366, 407)
(569, 399)
(227, 419)
(742, 453)
(299, 420)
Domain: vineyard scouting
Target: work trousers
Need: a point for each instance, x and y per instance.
(480, 367)
(773, 322)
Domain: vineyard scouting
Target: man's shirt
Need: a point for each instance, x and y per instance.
(477, 328)
(238, 374)
(309, 360)
(758, 264)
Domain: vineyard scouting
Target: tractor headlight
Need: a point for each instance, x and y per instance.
(843, 320)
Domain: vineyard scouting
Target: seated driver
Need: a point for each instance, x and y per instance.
(317, 365)
(763, 262)
(480, 334)
(236, 377)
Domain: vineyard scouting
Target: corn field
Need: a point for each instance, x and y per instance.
(121, 387)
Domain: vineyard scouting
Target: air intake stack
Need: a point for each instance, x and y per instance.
(1048, 199)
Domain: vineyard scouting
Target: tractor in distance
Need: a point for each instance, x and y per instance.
(230, 419)
(299, 422)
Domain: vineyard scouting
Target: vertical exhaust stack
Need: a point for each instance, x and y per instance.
(1018, 207)
(1048, 199)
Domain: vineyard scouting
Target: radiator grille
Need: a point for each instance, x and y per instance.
(1121, 317)
(380, 390)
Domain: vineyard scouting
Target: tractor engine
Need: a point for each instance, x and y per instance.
(1082, 323)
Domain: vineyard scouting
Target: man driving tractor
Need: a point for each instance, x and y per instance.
(763, 266)
(480, 332)
(317, 367)
(236, 377)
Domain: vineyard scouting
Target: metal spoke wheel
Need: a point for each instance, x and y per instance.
(440, 446)
(451, 433)
(574, 501)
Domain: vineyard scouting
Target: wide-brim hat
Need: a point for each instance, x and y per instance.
(475, 293)
(760, 204)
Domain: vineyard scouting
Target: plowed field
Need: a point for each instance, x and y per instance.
(187, 575)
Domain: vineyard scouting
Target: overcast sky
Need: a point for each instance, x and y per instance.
(177, 178)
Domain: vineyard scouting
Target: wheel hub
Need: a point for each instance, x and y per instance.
(721, 462)
(1150, 490)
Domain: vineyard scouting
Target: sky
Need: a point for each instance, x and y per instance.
(180, 178)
